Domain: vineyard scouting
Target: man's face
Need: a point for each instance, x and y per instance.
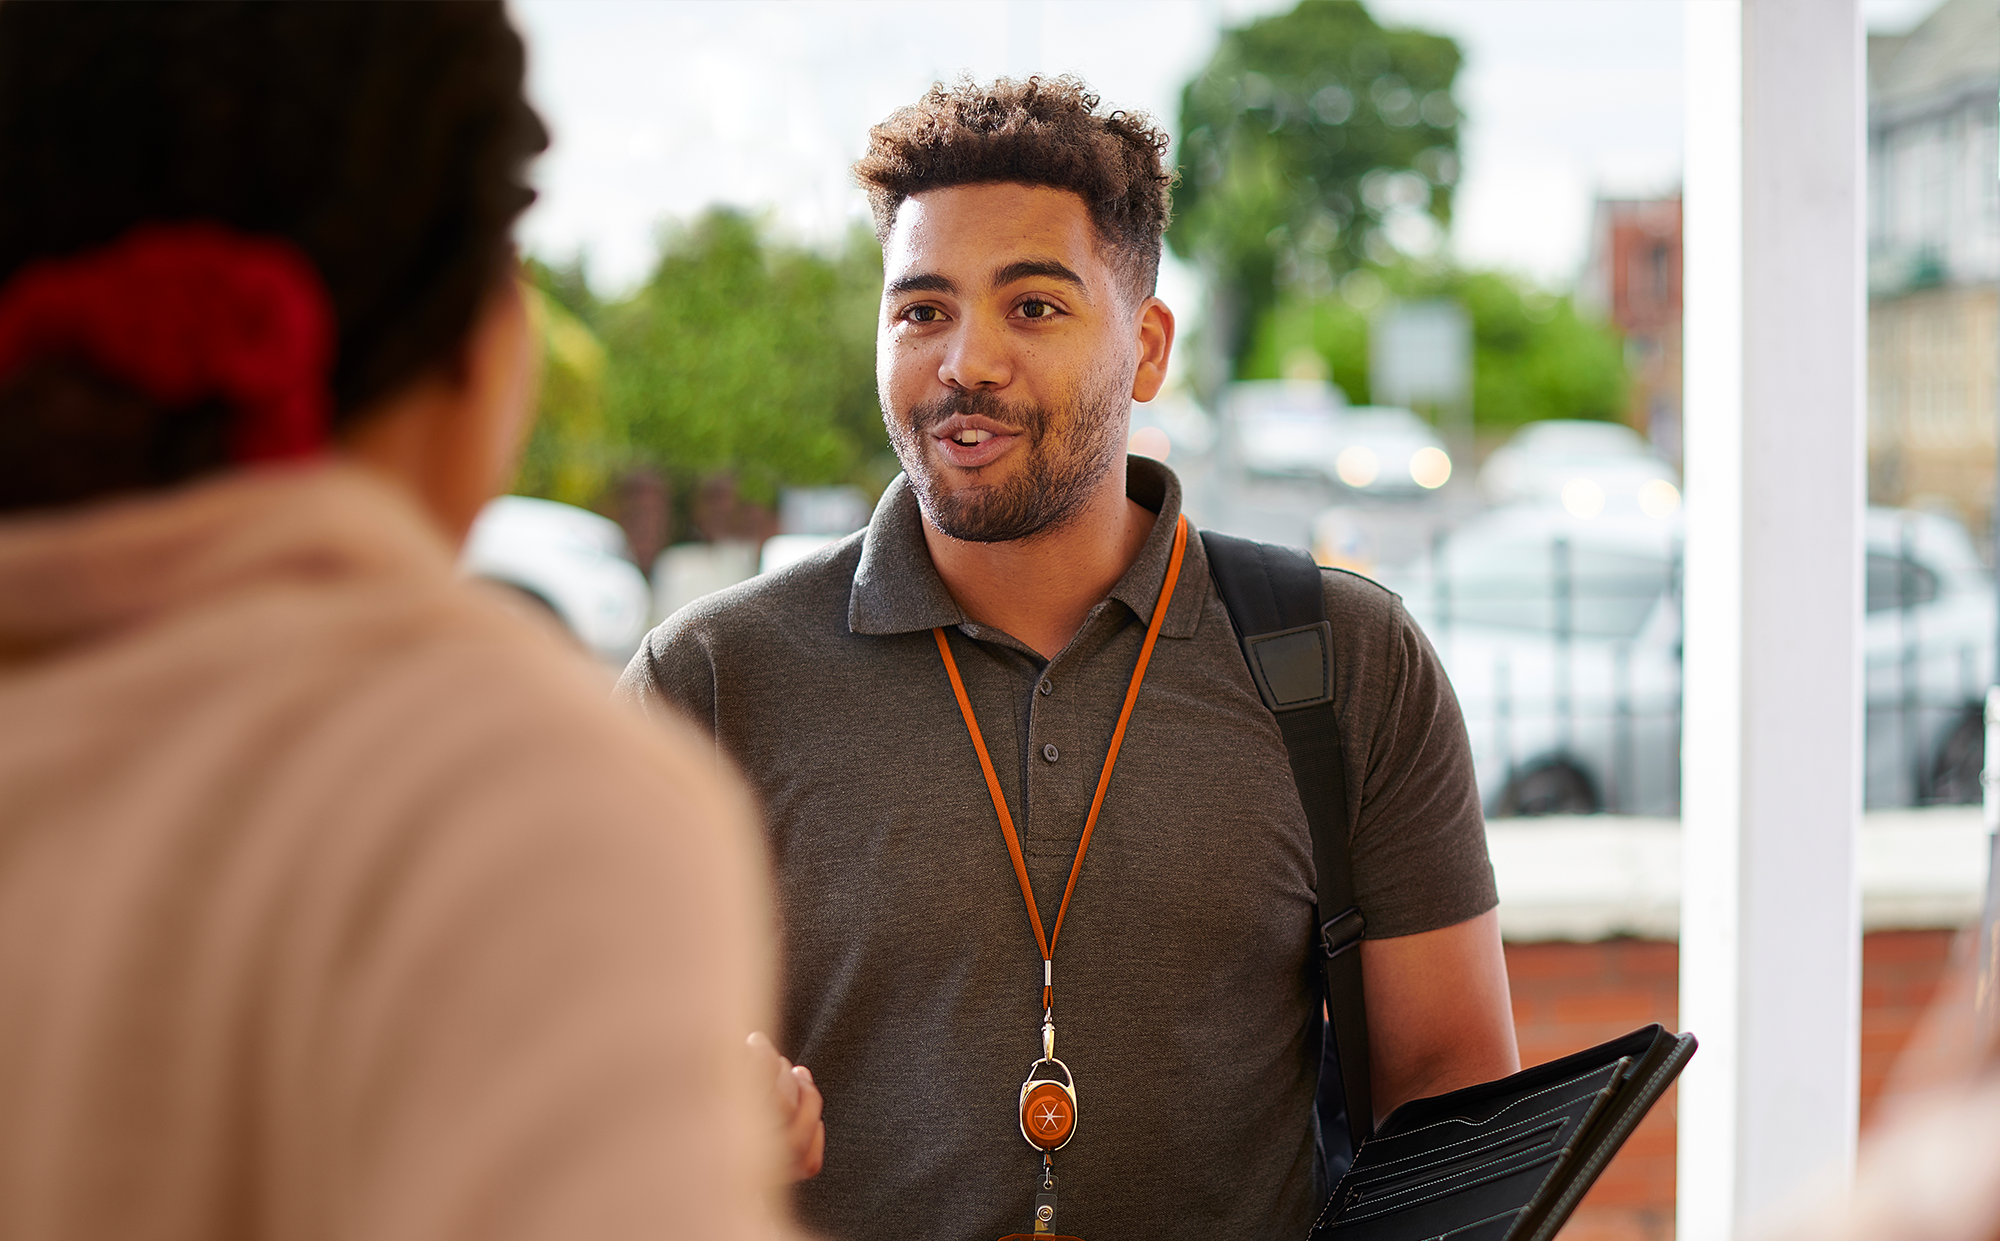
(1005, 358)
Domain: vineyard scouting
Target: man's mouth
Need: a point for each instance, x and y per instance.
(972, 440)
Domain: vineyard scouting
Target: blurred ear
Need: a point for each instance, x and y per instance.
(1156, 344)
(453, 437)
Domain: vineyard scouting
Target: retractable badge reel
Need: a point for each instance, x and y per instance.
(1048, 1102)
(1048, 1119)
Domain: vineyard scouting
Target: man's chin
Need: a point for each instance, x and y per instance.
(991, 514)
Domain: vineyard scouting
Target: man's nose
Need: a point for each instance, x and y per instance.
(978, 356)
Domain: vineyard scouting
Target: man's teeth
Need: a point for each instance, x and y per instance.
(970, 436)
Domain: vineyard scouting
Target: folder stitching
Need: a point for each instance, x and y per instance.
(1543, 1155)
(1498, 1135)
(1460, 1120)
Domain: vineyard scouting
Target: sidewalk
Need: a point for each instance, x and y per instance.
(1587, 878)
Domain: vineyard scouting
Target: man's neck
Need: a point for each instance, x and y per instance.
(1039, 590)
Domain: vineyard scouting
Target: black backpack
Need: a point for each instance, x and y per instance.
(1278, 606)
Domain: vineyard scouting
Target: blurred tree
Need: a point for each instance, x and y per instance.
(745, 357)
(569, 286)
(1532, 356)
(1313, 142)
(742, 365)
(573, 449)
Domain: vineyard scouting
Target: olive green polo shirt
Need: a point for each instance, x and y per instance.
(1185, 989)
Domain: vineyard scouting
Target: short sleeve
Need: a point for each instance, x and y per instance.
(673, 670)
(1418, 834)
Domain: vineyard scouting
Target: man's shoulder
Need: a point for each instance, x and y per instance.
(803, 596)
(1355, 597)
(1368, 615)
(1372, 630)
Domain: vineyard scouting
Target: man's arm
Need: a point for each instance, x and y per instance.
(1439, 1015)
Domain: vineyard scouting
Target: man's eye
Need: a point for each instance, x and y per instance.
(1036, 310)
(923, 314)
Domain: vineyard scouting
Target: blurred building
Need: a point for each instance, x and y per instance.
(1934, 260)
(1633, 279)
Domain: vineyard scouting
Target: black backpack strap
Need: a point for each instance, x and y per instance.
(1278, 605)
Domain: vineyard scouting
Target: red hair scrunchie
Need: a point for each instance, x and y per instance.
(189, 312)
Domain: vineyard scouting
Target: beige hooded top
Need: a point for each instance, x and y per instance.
(337, 902)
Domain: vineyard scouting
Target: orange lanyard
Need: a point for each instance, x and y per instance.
(1048, 943)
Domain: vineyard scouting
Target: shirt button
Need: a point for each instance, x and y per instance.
(1050, 752)
(1046, 687)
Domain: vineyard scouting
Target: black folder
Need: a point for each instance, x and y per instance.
(1506, 1160)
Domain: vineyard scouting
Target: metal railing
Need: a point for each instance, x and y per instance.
(1569, 679)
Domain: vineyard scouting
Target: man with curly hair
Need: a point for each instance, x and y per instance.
(1018, 693)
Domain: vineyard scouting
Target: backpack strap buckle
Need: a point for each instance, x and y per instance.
(1342, 931)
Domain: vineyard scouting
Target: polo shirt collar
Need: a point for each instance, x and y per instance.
(898, 590)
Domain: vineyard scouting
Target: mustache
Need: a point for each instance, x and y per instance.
(1031, 419)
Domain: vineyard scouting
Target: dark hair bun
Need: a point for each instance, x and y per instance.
(388, 142)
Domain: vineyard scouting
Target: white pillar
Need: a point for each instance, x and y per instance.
(1771, 755)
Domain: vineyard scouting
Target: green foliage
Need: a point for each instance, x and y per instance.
(1301, 139)
(567, 287)
(1533, 357)
(740, 356)
(747, 357)
(572, 451)
(1305, 142)
(1328, 326)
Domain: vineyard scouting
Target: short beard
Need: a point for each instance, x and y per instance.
(1063, 467)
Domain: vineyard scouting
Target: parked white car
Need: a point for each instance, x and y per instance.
(1587, 467)
(1306, 429)
(1387, 450)
(1929, 638)
(1284, 427)
(1562, 637)
(571, 561)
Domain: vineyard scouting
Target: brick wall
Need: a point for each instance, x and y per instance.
(1571, 996)
(1900, 972)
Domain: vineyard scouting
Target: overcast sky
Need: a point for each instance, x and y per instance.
(659, 109)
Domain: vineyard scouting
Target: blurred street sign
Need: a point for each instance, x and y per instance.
(1420, 356)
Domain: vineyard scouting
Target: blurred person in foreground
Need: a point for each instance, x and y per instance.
(334, 900)
(966, 859)
(1928, 1167)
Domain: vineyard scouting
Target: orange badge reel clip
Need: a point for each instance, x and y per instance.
(1048, 1120)
(1048, 1106)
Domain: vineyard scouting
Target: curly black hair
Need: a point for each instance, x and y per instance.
(389, 142)
(1041, 131)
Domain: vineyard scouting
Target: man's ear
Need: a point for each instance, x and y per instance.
(1155, 327)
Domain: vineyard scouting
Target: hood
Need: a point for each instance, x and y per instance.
(74, 575)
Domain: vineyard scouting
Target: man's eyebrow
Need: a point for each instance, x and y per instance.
(922, 282)
(1047, 269)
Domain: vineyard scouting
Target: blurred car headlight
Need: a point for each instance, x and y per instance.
(1357, 465)
(1430, 468)
(1659, 498)
(1583, 497)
